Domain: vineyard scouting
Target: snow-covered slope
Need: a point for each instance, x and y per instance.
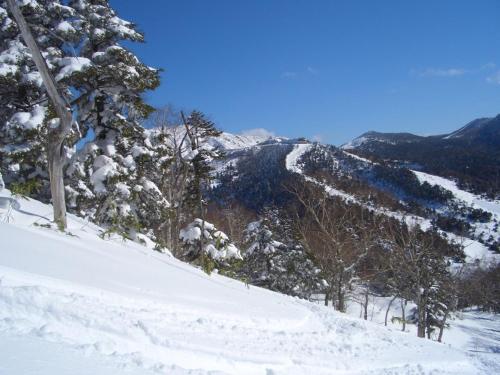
(475, 251)
(473, 200)
(229, 141)
(75, 299)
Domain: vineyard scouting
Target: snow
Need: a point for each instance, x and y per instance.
(474, 249)
(10, 56)
(292, 159)
(65, 27)
(53, 358)
(7, 69)
(29, 120)
(217, 245)
(355, 143)
(359, 158)
(472, 331)
(190, 234)
(150, 186)
(75, 301)
(123, 189)
(472, 200)
(228, 141)
(70, 65)
(293, 165)
(104, 167)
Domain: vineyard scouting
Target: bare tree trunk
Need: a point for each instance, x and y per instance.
(326, 298)
(442, 325)
(403, 314)
(340, 296)
(56, 163)
(388, 308)
(332, 295)
(422, 321)
(365, 306)
(58, 134)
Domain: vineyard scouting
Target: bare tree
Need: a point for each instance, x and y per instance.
(419, 263)
(327, 229)
(175, 172)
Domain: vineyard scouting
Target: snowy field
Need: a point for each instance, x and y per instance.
(77, 304)
(476, 333)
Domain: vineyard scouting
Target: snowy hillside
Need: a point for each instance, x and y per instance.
(74, 303)
(228, 141)
(472, 153)
(475, 251)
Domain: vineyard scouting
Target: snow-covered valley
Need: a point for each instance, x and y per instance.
(72, 300)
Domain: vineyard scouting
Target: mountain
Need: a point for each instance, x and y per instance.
(256, 176)
(470, 155)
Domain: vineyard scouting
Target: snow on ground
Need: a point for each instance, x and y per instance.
(474, 249)
(356, 142)
(472, 200)
(477, 333)
(53, 358)
(108, 306)
(228, 141)
(292, 163)
(368, 161)
(293, 157)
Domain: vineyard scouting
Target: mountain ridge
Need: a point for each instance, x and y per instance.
(470, 154)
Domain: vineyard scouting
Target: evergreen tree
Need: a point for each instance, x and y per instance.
(112, 181)
(203, 244)
(24, 109)
(199, 129)
(275, 260)
(101, 80)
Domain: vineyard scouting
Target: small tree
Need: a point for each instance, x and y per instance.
(204, 244)
(421, 259)
(275, 260)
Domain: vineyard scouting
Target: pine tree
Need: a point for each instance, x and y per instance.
(275, 260)
(101, 80)
(24, 108)
(204, 244)
(199, 129)
(113, 182)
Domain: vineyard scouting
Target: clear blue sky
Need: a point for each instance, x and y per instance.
(324, 69)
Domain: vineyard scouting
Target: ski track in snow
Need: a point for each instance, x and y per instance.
(121, 306)
(159, 336)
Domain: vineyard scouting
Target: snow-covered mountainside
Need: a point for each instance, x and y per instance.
(475, 251)
(470, 155)
(254, 175)
(229, 141)
(76, 303)
(475, 129)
